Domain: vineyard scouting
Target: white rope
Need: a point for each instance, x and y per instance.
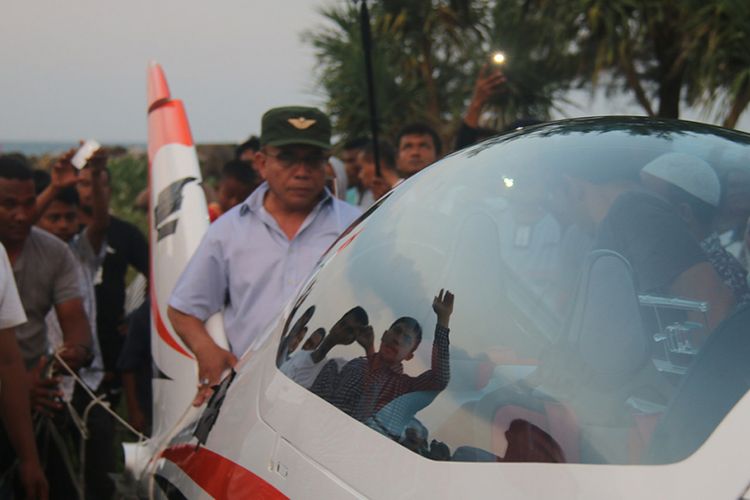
(82, 422)
(97, 400)
(77, 420)
(161, 446)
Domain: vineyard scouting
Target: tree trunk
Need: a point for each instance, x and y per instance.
(667, 45)
(631, 76)
(669, 96)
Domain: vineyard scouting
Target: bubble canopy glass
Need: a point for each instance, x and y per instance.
(590, 313)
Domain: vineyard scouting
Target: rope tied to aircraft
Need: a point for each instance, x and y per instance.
(95, 400)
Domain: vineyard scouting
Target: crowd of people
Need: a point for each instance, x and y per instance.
(69, 257)
(281, 202)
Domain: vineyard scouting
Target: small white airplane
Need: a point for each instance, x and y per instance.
(566, 376)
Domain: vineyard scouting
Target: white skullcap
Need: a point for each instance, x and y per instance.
(690, 173)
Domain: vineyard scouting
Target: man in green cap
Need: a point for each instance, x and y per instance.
(254, 257)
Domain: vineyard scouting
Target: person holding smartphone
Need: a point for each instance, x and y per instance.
(490, 82)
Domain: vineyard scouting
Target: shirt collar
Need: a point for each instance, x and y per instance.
(254, 202)
(376, 362)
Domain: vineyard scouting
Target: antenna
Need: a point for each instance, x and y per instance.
(364, 20)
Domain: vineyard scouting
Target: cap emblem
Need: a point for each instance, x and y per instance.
(301, 123)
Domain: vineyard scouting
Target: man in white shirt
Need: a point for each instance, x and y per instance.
(14, 392)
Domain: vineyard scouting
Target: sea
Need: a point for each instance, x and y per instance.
(41, 148)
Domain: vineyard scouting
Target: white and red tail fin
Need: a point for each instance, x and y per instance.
(178, 219)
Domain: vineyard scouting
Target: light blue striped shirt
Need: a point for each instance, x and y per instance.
(247, 262)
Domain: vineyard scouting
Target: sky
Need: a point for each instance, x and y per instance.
(77, 68)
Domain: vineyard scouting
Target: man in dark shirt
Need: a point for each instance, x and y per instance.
(692, 187)
(126, 246)
(646, 230)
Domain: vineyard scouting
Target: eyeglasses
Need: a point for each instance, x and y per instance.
(288, 160)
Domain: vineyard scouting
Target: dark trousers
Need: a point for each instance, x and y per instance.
(98, 448)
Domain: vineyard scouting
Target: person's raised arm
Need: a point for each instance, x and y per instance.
(96, 231)
(212, 359)
(62, 175)
(488, 84)
(14, 409)
(438, 376)
(443, 307)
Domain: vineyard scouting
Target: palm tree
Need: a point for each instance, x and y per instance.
(664, 52)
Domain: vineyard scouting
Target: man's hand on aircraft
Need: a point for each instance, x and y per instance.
(212, 362)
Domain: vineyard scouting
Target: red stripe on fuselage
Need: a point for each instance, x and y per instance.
(219, 476)
(161, 328)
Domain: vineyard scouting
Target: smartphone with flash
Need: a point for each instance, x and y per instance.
(84, 153)
(498, 58)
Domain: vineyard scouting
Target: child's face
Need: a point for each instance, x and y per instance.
(60, 219)
(398, 344)
(295, 340)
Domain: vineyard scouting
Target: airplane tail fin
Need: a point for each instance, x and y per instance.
(178, 219)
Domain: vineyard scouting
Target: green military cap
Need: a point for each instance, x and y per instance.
(295, 125)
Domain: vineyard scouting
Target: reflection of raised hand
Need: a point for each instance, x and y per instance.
(366, 338)
(341, 334)
(443, 307)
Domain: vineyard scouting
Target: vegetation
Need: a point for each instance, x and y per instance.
(663, 53)
(129, 177)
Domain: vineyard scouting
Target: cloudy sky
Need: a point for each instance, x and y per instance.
(76, 68)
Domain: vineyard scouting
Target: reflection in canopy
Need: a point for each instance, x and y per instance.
(566, 345)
